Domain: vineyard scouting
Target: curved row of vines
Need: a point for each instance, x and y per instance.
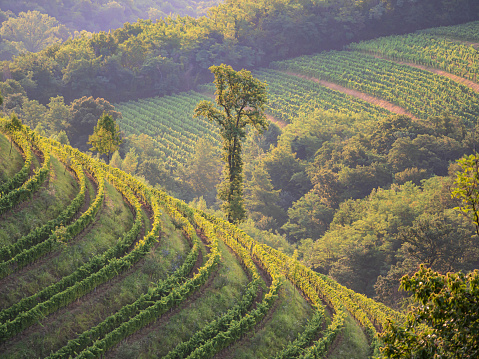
(204, 235)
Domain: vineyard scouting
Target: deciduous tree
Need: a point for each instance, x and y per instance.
(202, 171)
(445, 322)
(15, 124)
(85, 112)
(466, 187)
(32, 31)
(106, 137)
(241, 99)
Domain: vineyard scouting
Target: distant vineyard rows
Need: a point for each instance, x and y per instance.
(420, 92)
(169, 121)
(456, 58)
(465, 32)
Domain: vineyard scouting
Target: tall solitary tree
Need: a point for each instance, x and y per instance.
(106, 137)
(240, 99)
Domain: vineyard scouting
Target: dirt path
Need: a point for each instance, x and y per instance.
(361, 95)
(281, 124)
(473, 85)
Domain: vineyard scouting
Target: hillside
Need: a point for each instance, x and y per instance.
(98, 15)
(347, 191)
(382, 122)
(128, 264)
(172, 54)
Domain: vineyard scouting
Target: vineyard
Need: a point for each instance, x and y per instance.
(420, 92)
(289, 96)
(95, 263)
(168, 120)
(464, 32)
(456, 58)
(293, 88)
(181, 282)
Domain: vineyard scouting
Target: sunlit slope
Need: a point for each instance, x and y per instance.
(129, 264)
(422, 93)
(425, 48)
(464, 32)
(290, 96)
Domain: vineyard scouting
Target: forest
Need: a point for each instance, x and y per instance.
(147, 57)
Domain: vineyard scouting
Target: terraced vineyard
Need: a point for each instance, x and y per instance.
(124, 270)
(169, 120)
(93, 263)
(294, 88)
(290, 96)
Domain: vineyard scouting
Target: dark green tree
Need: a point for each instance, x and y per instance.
(84, 114)
(130, 162)
(202, 171)
(439, 241)
(106, 137)
(32, 31)
(262, 200)
(445, 322)
(241, 99)
(308, 218)
(466, 187)
(15, 124)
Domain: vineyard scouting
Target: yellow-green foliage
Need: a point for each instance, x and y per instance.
(104, 243)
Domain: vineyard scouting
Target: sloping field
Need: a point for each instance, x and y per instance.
(290, 96)
(430, 73)
(420, 92)
(168, 120)
(127, 271)
(428, 50)
(464, 32)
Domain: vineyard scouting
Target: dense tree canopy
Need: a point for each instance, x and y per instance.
(84, 114)
(360, 193)
(444, 322)
(466, 187)
(31, 31)
(147, 58)
(100, 15)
